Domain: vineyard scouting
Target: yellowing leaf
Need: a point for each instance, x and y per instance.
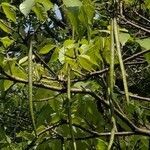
(9, 11)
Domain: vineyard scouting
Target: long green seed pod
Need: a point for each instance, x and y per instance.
(111, 85)
(69, 107)
(30, 87)
(120, 60)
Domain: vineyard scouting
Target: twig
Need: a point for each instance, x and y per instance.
(134, 24)
(45, 65)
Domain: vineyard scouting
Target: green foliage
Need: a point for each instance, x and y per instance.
(9, 11)
(76, 84)
(26, 6)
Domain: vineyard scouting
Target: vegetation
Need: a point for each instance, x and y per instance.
(74, 74)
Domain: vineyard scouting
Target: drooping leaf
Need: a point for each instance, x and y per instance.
(9, 11)
(40, 11)
(83, 17)
(72, 15)
(72, 3)
(6, 41)
(4, 27)
(46, 3)
(89, 10)
(26, 6)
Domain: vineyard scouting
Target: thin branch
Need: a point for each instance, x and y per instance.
(136, 55)
(134, 24)
(42, 132)
(60, 89)
(141, 16)
(45, 64)
(100, 72)
(47, 99)
(135, 96)
(89, 92)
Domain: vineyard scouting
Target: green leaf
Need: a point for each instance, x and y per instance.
(89, 10)
(83, 17)
(44, 115)
(85, 62)
(9, 11)
(69, 43)
(101, 145)
(72, 15)
(23, 60)
(6, 41)
(55, 55)
(7, 84)
(26, 135)
(72, 3)
(46, 3)
(61, 56)
(18, 71)
(40, 11)
(147, 4)
(66, 51)
(48, 47)
(1, 59)
(145, 43)
(4, 27)
(26, 6)
(123, 37)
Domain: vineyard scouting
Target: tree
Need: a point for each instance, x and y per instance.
(74, 74)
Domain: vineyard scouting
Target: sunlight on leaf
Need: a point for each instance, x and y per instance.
(4, 27)
(123, 37)
(6, 41)
(72, 3)
(9, 11)
(26, 6)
